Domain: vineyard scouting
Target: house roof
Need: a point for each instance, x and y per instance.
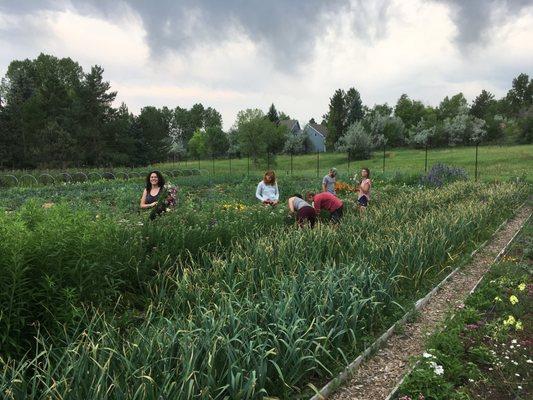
(289, 123)
(323, 130)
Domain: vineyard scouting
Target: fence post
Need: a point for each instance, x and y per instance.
(426, 162)
(317, 163)
(348, 154)
(475, 171)
(291, 163)
(384, 146)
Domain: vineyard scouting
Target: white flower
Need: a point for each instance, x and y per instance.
(529, 361)
(427, 355)
(517, 375)
(438, 369)
(513, 341)
(519, 387)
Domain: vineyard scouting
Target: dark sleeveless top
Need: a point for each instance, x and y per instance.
(150, 199)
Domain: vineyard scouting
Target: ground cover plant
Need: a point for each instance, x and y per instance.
(221, 298)
(484, 350)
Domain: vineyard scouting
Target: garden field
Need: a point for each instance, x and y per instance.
(221, 298)
(494, 163)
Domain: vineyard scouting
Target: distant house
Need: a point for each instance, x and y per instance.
(293, 126)
(317, 136)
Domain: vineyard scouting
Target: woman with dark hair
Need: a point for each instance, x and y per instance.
(363, 195)
(304, 211)
(154, 184)
(267, 190)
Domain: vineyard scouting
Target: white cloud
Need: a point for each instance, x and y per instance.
(412, 50)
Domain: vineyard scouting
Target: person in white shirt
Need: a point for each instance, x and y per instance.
(267, 190)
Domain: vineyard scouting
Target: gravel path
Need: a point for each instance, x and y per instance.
(378, 376)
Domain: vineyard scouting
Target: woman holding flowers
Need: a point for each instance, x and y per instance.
(267, 190)
(363, 193)
(154, 185)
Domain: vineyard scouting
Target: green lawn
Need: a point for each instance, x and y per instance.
(494, 162)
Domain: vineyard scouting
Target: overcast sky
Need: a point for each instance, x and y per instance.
(237, 54)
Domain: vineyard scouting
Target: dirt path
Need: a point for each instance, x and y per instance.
(378, 376)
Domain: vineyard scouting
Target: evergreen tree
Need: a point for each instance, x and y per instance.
(354, 106)
(272, 115)
(336, 118)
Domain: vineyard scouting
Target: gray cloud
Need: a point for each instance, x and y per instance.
(477, 19)
(285, 30)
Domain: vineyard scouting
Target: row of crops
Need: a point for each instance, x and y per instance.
(222, 298)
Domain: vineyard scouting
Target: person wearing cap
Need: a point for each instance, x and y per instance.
(328, 183)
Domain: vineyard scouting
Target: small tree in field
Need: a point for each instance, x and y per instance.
(357, 142)
(197, 146)
(296, 144)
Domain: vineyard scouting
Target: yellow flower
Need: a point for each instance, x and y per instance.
(513, 299)
(522, 287)
(518, 326)
(498, 298)
(509, 321)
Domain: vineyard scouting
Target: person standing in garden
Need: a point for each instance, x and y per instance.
(153, 185)
(305, 213)
(363, 190)
(328, 202)
(328, 183)
(267, 190)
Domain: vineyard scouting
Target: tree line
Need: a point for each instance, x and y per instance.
(358, 129)
(54, 114)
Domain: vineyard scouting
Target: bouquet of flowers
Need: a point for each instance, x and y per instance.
(344, 188)
(166, 202)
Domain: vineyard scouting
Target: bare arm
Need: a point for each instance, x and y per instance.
(259, 192)
(324, 185)
(316, 204)
(143, 201)
(291, 204)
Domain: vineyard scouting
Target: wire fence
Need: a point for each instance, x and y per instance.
(309, 165)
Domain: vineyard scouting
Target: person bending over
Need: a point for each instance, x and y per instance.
(305, 213)
(328, 202)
